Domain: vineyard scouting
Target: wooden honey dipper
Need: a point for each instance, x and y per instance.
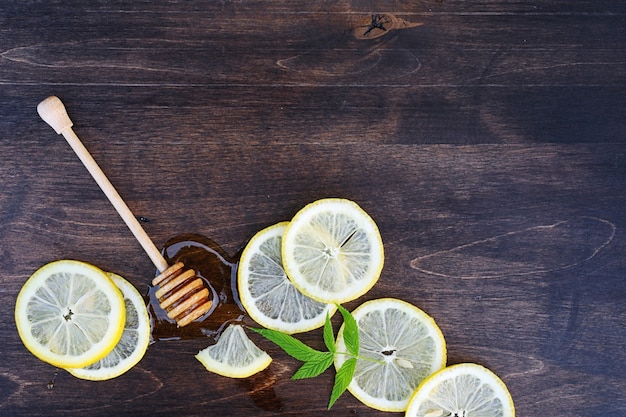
(181, 292)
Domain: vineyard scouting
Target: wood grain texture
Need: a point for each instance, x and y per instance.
(487, 143)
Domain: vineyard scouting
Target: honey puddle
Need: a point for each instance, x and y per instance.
(218, 271)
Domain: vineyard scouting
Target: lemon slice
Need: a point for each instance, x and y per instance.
(234, 355)
(332, 251)
(400, 346)
(132, 345)
(267, 294)
(69, 314)
(466, 389)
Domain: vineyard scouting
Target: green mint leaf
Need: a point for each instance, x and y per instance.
(292, 346)
(329, 336)
(350, 331)
(342, 380)
(313, 368)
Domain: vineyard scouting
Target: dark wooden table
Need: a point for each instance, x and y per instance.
(487, 140)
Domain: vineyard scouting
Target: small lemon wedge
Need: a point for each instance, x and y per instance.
(234, 355)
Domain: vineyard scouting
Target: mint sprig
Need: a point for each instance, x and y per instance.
(315, 362)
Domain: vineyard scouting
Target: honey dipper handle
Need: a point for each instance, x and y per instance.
(53, 112)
